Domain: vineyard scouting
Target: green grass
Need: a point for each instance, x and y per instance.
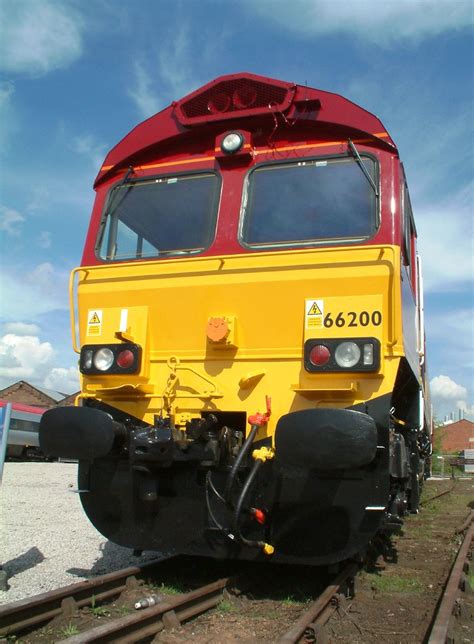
(167, 589)
(98, 611)
(291, 600)
(226, 606)
(69, 630)
(396, 584)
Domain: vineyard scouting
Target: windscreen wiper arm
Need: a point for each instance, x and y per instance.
(115, 202)
(356, 154)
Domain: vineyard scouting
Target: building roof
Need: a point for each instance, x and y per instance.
(24, 392)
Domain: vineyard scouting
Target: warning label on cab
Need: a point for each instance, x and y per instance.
(314, 314)
(94, 322)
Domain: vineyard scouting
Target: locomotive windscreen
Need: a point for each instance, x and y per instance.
(308, 201)
(165, 215)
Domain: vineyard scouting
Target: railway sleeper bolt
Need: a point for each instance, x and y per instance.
(457, 607)
(170, 620)
(339, 600)
(132, 583)
(315, 633)
(69, 607)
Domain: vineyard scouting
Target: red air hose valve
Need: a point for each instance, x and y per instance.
(258, 515)
(262, 419)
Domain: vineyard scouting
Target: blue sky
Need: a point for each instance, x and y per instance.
(77, 75)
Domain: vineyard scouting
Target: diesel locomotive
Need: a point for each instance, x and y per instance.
(249, 318)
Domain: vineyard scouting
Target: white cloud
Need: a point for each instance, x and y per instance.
(449, 398)
(43, 277)
(65, 380)
(142, 93)
(38, 37)
(10, 221)
(380, 23)
(446, 241)
(444, 388)
(44, 240)
(177, 73)
(26, 357)
(86, 145)
(176, 63)
(40, 200)
(43, 289)
(9, 117)
(23, 356)
(20, 328)
(7, 89)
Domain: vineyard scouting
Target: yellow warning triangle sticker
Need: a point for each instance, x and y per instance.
(94, 319)
(314, 310)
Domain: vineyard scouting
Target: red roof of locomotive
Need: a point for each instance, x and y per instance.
(296, 102)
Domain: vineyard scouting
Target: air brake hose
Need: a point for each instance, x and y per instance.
(238, 461)
(238, 508)
(266, 547)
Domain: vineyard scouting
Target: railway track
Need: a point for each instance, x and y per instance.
(437, 496)
(455, 584)
(312, 621)
(35, 611)
(170, 612)
(147, 623)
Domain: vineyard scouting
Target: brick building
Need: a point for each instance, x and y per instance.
(28, 394)
(455, 437)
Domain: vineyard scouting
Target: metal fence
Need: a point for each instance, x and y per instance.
(451, 465)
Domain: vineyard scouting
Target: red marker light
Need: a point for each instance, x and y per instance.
(125, 359)
(319, 355)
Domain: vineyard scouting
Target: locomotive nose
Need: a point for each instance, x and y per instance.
(77, 433)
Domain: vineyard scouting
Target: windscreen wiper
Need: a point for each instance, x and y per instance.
(115, 202)
(356, 154)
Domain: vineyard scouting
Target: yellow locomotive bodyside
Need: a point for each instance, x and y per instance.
(269, 303)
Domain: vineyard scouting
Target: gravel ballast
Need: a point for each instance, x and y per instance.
(46, 539)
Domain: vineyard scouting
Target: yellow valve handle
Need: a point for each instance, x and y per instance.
(263, 454)
(268, 549)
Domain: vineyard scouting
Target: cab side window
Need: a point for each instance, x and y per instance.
(408, 235)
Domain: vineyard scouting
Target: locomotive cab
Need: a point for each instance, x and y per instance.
(250, 331)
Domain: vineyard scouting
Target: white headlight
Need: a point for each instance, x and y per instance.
(347, 354)
(103, 359)
(232, 142)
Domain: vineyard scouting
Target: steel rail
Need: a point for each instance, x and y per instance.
(39, 609)
(469, 519)
(318, 608)
(441, 624)
(437, 496)
(148, 622)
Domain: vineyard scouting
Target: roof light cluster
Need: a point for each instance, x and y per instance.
(358, 354)
(109, 359)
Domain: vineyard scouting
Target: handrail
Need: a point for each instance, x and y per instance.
(72, 303)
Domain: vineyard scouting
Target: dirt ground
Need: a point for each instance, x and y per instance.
(395, 594)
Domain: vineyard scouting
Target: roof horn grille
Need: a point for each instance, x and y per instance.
(234, 97)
